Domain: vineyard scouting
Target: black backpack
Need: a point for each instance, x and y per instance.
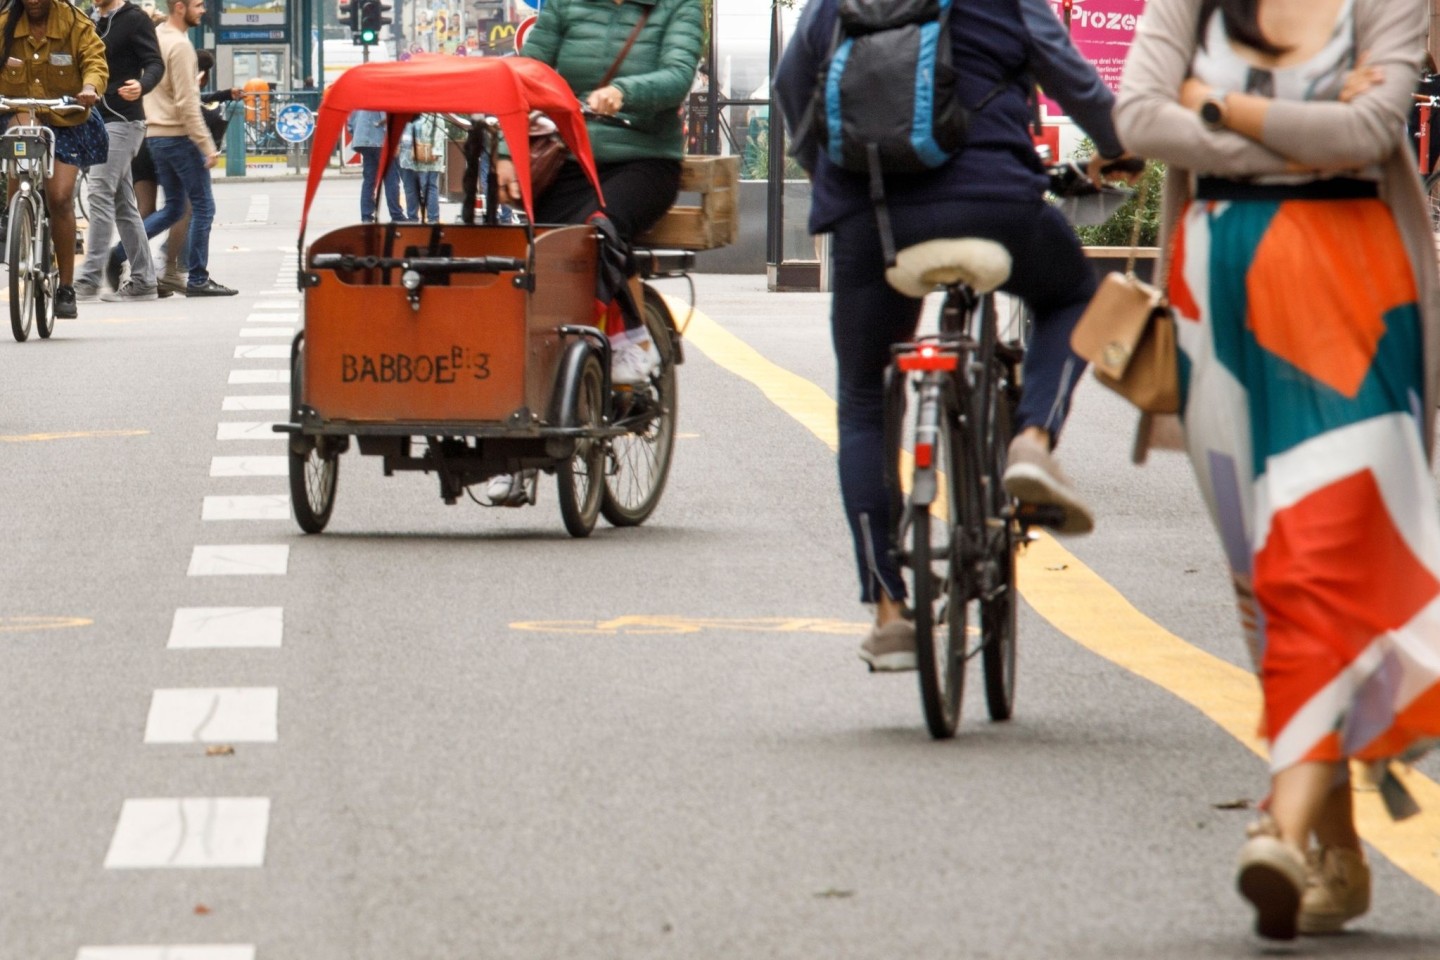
(886, 98)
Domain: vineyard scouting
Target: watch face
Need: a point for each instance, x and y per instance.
(1211, 113)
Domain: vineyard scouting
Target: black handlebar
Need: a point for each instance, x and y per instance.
(347, 261)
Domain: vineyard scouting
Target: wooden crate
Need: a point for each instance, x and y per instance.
(715, 222)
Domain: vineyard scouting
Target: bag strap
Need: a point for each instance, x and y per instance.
(629, 42)
(1162, 279)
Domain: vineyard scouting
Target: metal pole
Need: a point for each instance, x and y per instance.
(712, 135)
(775, 127)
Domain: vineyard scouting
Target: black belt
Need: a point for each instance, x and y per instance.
(1340, 188)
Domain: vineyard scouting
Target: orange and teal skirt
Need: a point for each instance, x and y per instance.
(1301, 366)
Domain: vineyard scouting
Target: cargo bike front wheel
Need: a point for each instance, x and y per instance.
(314, 462)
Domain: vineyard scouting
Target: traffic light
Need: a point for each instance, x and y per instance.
(372, 18)
(350, 17)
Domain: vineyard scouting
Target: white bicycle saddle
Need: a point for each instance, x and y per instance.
(983, 265)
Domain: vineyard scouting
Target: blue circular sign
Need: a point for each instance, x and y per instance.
(295, 123)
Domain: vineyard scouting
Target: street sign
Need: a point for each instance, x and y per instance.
(295, 123)
(523, 29)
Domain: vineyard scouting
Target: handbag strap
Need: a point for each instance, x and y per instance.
(629, 42)
(1162, 279)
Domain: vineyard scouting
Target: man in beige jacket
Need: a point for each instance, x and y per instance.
(181, 146)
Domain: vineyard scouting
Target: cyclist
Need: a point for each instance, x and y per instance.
(993, 188)
(52, 50)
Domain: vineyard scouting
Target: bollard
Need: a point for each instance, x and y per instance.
(235, 148)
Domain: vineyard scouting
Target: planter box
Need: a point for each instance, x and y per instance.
(1112, 260)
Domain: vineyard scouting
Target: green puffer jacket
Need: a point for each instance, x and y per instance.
(580, 39)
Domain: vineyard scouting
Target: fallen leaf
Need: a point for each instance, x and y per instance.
(833, 894)
(1058, 567)
(220, 750)
(201, 910)
(1241, 804)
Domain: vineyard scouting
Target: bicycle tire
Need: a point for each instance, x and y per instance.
(940, 660)
(1432, 200)
(19, 251)
(581, 476)
(999, 629)
(638, 464)
(314, 475)
(48, 280)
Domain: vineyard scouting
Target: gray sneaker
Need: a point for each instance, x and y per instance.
(1033, 476)
(891, 648)
(129, 291)
(86, 292)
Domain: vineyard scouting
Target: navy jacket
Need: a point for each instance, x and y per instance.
(993, 40)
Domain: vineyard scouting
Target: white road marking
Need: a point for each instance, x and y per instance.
(261, 507)
(277, 305)
(214, 715)
(247, 430)
(285, 332)
(259, 376)
(263, 351)
(239, 560)
(290, 318)
(207, 628)
(259, 401)
(205, 832)
(259, 211)
(194, 951)
(249, 466)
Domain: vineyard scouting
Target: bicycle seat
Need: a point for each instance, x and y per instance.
(981, 265)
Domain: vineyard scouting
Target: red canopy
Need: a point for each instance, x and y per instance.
(505, 87)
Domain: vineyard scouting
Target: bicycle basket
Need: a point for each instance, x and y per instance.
(21, 145)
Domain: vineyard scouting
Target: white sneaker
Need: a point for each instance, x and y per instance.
(632, 363)
(511, 489)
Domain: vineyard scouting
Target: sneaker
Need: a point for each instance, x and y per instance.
(65, 303)
(130, 291)
(511, 489)
(1033, 476)
(891, 648)
(632, 363)
(86, 292)
(1271, 876)
(114, 266)
(1337, 890)
(208, 289)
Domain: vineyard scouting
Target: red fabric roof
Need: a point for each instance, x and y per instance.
(505, 87)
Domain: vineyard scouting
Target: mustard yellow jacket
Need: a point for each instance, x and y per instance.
(70, 55)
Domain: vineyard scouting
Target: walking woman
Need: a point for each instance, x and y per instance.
(52, 50)
(1304, 281)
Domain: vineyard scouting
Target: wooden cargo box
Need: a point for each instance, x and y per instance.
(715, 222)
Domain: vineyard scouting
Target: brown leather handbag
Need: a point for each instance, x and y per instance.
(1128, 335)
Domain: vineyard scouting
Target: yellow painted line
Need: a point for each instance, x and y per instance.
(1095, 615)
(674, 625)
(72, 435)
(31, 624)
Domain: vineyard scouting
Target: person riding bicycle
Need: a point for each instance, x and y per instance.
(645, 52)
(52, 50)
(994, 189)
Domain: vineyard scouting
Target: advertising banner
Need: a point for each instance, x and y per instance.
(1102, 31)
(252, 21)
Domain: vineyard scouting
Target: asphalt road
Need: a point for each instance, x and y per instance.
(456, 732)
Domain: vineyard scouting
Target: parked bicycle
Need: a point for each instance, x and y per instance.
(1424, 135)
(958, 531)
(27, 152)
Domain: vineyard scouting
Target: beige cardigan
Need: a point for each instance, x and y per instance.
(1338, 136)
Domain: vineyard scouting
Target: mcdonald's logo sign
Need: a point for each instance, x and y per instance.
(500, 33)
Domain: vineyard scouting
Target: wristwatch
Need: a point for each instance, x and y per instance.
(1212, 111)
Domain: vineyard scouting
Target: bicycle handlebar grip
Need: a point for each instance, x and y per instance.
(1124, 165)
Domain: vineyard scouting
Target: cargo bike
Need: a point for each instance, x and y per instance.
(470, 350)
